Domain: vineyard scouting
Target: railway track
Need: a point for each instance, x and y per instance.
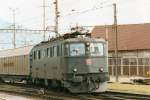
(59, 95)
(115, 96)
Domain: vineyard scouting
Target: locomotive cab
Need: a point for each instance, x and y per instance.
(86, 65)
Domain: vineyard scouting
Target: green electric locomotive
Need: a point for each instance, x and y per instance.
(74, 61)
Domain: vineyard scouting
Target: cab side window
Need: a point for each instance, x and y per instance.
(66, 50)
(34, 55)
(58, 50)
(39, 54)
(54, 51)
(47, 52)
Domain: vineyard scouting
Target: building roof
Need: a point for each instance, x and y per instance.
(130, 36)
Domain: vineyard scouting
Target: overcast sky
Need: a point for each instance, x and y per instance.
(29, 12)
(85, 12)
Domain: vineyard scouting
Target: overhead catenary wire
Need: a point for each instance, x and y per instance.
(82, 12)
(86, 11)
(96, 7)
(99, 6)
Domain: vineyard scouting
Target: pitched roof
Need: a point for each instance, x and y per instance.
(130, 36)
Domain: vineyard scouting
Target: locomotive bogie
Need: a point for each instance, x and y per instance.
(87, 83)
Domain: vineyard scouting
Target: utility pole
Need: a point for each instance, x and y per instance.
(44, 20)
(14, 27)
(56, 17)
(106, 37)
(116, 41)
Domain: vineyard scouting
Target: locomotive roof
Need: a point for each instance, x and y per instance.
(73, 37)
(77, 39)
(16, 52)
(85, 39)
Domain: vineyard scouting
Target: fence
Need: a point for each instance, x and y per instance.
(130, 67)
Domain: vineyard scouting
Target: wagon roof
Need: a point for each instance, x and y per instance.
(16, 52)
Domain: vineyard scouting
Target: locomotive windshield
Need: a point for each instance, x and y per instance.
(82, 49)
(77, 49)
(96, 49)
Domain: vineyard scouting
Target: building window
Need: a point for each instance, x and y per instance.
(146, 61)
(133, 61)
(140, 61)
(125, 61)
(111, 61)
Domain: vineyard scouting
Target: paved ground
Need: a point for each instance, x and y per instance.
(129, 88)
(7, 96)
(122, 79)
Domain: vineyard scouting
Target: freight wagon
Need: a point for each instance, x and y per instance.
(14, 64)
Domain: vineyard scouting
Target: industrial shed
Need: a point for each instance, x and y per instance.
(133, 48)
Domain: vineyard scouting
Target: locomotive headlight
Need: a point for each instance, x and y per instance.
(87, 44)
(74, 70)
(101, 69)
